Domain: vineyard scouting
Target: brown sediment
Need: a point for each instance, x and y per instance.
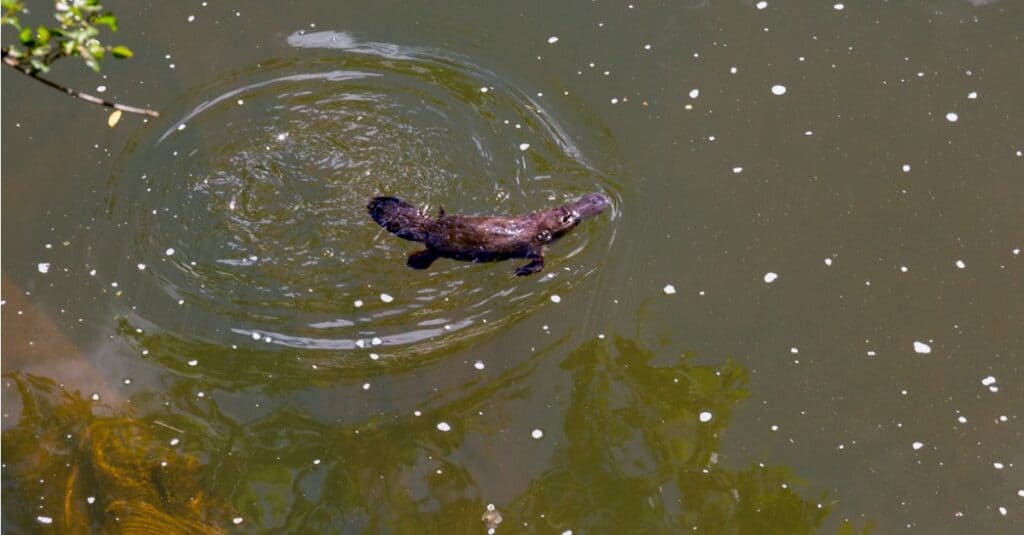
(34, 344)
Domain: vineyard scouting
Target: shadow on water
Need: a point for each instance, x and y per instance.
(632, 448)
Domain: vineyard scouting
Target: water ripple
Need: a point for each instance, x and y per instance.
(261, 190)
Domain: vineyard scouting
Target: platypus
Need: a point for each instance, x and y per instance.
(483, 238)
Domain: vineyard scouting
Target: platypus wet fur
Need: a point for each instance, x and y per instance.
(483, 238)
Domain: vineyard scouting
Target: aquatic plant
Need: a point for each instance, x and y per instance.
(72, 464)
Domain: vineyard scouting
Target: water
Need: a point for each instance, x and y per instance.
(216, 298)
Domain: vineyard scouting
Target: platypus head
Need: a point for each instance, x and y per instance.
(558, 221)
(590, 204)
(555, 222)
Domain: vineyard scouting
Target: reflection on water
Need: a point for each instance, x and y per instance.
(634, 448)
(640, 453)
(254, 225)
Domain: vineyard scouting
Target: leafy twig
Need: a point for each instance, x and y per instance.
(75, 35)
(16, 65)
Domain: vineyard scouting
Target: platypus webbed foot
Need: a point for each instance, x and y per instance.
(421, 259)
(532, 267)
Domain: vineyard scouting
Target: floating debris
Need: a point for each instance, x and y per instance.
(491, 518)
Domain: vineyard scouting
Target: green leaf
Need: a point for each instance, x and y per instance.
(25, 36)
(43, 34)
(122, 52)
(107, 20)
(12, 8)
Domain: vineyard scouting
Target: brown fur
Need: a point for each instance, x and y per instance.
(483, 238)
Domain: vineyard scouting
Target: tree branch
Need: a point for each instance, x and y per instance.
(16, 65)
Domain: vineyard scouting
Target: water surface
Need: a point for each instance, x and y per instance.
(803, 313)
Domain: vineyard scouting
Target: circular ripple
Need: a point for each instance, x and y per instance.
(261, 192)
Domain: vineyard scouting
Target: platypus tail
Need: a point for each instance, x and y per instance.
(398, 217)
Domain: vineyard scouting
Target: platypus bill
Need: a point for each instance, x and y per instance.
(483, 238)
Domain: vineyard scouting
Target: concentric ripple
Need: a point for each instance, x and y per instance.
(250, 210)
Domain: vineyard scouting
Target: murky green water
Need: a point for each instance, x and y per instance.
(803, 313)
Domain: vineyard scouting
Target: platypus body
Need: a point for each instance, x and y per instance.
(483, 238)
